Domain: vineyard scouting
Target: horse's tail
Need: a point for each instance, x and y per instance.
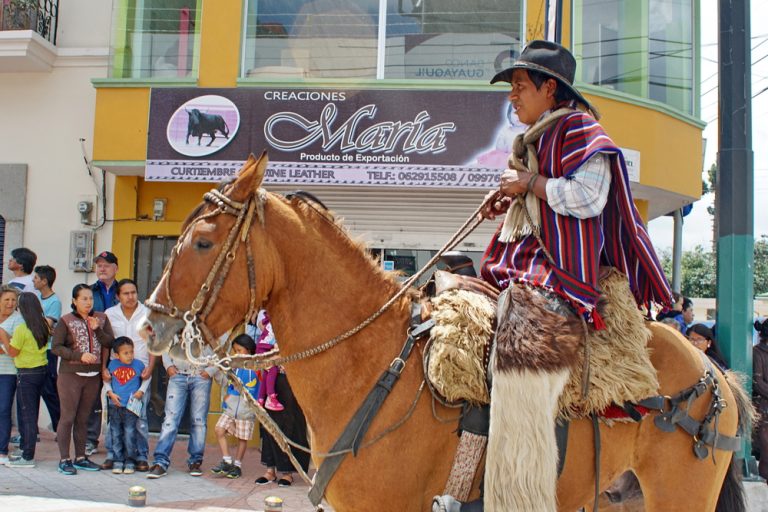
(747, 412)
(732, 496)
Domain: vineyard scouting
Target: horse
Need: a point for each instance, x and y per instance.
(299, 263)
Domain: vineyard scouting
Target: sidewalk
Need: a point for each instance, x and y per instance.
(44, 489)
(105, 491)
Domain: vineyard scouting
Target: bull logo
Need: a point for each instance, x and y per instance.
(201, 124)
(212, 116)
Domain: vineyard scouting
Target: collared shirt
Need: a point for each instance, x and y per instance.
(103, 297)
(584, 193)
(122, 326)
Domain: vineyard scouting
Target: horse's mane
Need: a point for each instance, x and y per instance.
(304, 203)
(308, 205)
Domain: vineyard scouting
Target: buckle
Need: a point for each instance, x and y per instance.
(397, 365)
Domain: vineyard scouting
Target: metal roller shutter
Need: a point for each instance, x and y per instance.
(415, 218)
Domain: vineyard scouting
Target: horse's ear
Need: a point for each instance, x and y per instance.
(249, 178)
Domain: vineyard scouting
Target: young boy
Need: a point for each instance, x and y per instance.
(125, 391)
(238, 417)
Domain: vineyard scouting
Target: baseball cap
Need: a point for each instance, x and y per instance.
(106, 256)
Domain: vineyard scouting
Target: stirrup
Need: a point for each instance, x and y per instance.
(445, 503)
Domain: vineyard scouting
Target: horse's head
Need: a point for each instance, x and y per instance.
(207, 278)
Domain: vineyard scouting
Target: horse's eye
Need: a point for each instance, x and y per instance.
(202, 244)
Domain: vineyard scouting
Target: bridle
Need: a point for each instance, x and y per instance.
(194, 318)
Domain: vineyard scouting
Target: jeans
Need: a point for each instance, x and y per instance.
(181, 388)
(29, 388)
(7, 392)
(142, 439)
(123, 426)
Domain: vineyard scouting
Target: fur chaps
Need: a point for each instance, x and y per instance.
(535, 348)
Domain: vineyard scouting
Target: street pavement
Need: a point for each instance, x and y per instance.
(44, 489)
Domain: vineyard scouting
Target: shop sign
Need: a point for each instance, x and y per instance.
(411, 138)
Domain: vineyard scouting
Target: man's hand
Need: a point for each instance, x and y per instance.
(89, 358)
(146, 373)
(171, 371)
(115, 399)
(497, 204)
(205, 375)
(514, 182)
(138, 395)
(105, 375)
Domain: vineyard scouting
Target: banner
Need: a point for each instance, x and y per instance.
(411, 138)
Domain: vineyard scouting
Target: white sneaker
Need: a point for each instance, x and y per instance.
(22, 463)
(4, 460)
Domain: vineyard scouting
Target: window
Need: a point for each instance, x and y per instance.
(422, 39)
(154, 38)
(641, 47)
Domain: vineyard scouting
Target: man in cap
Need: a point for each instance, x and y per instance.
(567, 210)
(104, 297)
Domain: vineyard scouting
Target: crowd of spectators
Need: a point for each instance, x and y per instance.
(92, 356)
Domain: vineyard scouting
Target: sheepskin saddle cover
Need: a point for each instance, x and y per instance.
(535, 334)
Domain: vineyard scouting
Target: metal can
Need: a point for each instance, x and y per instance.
(273, 504)
(137, 496)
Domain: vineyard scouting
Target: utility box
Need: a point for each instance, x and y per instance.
(81, 251)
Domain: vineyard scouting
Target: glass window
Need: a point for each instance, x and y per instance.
(317, 39)
(155, 38)
(423, 39)
(641, 47)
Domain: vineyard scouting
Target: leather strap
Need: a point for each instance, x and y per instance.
(672, 415)
(561, 436)
(598, 450)
(357, 427)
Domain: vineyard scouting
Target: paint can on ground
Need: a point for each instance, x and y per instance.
(137, 496)
(273, 504)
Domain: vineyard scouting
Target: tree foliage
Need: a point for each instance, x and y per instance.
(699, 272)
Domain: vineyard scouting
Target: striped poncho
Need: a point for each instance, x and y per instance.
(617, 237)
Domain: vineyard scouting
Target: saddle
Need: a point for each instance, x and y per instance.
(619, 365)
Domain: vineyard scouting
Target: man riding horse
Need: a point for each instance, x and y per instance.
(568, 211)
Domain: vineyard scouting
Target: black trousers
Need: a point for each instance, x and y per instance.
(291, 421)
(29, 389)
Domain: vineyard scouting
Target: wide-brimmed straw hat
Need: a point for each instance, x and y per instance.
(551, 59)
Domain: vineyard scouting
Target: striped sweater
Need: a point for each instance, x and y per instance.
(617, 237)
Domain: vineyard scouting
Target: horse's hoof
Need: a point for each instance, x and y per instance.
(445, 504)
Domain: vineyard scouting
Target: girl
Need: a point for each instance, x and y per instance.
(78, 340)
(29, 349)
(266, 342)
(703, 339)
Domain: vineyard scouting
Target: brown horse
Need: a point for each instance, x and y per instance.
(317, 283)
